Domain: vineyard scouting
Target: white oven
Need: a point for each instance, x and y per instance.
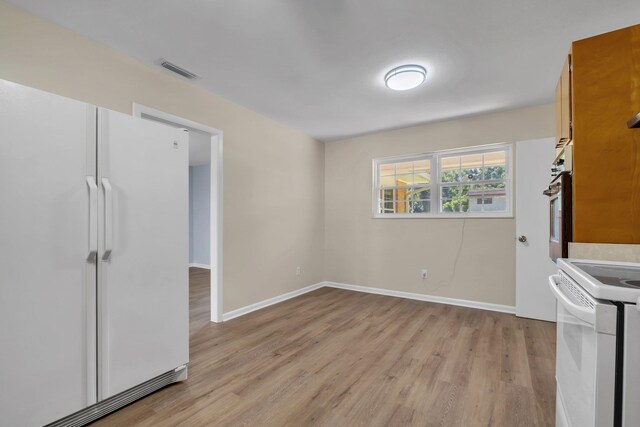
(598, 343)
(585, 356)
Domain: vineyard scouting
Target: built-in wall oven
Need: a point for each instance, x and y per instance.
(560, 215)
(598, 343)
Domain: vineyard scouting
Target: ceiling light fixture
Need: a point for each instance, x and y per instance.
(405, 77)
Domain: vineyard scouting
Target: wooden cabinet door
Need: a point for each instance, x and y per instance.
(559, 142)
(606, 180)
(563, 105)
(565, 100)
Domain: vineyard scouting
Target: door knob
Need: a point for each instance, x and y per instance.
(522, 239)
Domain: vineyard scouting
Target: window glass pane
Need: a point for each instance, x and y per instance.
(402, 194)
(488, 198)
(422, 166)
(387, 169)
(495, 172)
(555, 219)
(387, 181)
(495, 165)
(471, 161)
(421, 178)
(476, 198)
(454, 198)
(471, 167)
(386, 201)
(422, 172)
(494, 158)
(402, 206)
(449, 163)
(495, 204)
(449, 205)
(448, 192)
(450, 169)
(404, 168)
(495, 185)
(386, 207)
(420, 206)
(420, 194)
(495, 200)
(406, 179)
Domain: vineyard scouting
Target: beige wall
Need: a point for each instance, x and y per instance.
(389, 253)
(265, 236)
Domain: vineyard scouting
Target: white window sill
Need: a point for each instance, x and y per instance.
(505, 215)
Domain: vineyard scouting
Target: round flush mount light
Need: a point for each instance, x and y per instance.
(405, 77)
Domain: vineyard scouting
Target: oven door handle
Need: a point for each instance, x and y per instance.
(583, 313)
(552, 190)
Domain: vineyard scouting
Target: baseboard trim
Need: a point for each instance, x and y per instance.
(271, 301)
(422, 297)
(198, 265)
(366, 289)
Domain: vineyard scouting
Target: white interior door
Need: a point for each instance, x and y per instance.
(533, 265)
(143, 310)
(47, 280)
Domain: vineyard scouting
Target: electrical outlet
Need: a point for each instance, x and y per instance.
(298, 271)
(423, 273)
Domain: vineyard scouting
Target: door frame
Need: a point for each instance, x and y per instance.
(215, 198)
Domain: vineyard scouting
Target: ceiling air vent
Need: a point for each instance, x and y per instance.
(177, 69)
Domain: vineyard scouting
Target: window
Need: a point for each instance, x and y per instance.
(469, 182)
(404, 186)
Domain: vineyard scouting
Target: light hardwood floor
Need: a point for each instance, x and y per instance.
(340, 358)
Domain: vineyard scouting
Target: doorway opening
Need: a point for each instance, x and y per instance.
(205, 213)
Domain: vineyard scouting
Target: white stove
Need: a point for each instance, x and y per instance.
(615, 281)
(598, 343)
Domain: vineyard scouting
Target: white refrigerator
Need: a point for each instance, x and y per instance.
(93, 258)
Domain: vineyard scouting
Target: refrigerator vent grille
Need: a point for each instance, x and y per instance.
(178, 69)
(116, 402)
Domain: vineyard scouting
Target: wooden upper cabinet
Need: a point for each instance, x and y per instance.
(565, 78)
(605, 79)
(558, 110)
(563, 105)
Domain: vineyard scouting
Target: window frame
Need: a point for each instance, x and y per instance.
(435, 185)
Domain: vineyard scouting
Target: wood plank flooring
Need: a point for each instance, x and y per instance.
(340, 358)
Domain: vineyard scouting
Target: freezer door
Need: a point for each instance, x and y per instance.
(47, 271)
(143, 302)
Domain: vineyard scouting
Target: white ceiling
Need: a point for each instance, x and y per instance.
(317, 65)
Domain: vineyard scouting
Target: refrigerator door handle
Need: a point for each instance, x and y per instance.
(93, 219)
(108, 219)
